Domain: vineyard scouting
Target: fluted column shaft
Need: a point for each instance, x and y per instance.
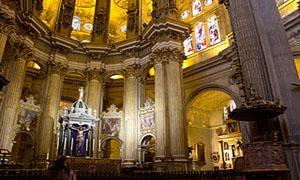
(170, 124)
(50, 113)
(131, 113)
(94, 95)
(177, 123)
(12, 96)
(161, 111)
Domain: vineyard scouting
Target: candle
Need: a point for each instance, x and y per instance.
(65, 144)
(86, 145)
(71, 144)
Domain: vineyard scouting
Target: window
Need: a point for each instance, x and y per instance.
(200, 37)
(213, 28)
(197, 7)
(188, 46)
(185, 14)
(208, 2)
(88, 26)
(76, 23)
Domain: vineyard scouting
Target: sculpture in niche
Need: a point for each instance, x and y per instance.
(67, 14)
(100, 21)
(132, 12)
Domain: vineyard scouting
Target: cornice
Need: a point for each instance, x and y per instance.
(165, 24)
(223, 58)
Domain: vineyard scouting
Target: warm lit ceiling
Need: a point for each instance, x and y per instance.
(205, 105)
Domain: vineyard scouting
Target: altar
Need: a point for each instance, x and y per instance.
(77, 125)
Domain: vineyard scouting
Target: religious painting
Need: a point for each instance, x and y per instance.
(27, 119)
(185, 14)
(197, 7)
(188, 46)
(213, 29)
(147, 121)
(200, 37)
(111, 126)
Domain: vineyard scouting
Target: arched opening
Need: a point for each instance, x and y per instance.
(148, 147)
(214, 140)
(23, 149)
(111, 149)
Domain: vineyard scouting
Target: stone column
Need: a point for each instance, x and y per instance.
(131, 114)
(177, 123)
(94, 95)
(50, 113)
(267, 66)
(101, 21)
(64, 24)
(7, 26)
(13, 94)
(161, 108)
(170, 124)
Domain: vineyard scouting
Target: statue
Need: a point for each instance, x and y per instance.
(81, 93)
(79, 139)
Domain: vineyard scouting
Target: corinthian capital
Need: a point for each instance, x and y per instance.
(166, 55)
(132, 70)
(22, 51)
(57, 68)
(95, 74)
(7, 22)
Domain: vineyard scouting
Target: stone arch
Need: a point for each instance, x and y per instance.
(145, 70)
(24, 148)
(236, 98)
(107, 139)
(75, 73)
(111, 73)
(145, 135)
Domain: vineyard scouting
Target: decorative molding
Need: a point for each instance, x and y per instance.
(167, 54)
(132, 70)
(112, 112)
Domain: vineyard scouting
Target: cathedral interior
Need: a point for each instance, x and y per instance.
(150, 85)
